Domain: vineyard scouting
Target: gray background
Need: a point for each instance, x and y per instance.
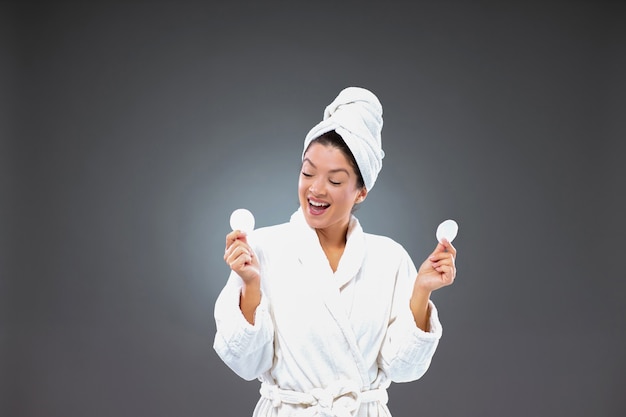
(130, 132)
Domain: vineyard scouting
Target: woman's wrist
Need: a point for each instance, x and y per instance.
(252, 287)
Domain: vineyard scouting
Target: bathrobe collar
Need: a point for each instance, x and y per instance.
(312, 257)
(352, 257)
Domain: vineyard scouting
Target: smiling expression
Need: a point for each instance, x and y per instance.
(327, 188)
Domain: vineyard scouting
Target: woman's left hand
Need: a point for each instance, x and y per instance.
(438, 270)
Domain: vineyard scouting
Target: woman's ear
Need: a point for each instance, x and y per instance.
(361, 196)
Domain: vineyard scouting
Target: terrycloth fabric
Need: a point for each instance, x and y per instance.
(357, 116)
(318, 334)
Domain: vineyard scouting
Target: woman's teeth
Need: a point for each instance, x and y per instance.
(317, 204)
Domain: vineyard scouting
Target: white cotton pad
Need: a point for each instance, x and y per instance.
(242, 219)
(447, 229)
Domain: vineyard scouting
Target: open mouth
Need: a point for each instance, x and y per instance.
(317, 207)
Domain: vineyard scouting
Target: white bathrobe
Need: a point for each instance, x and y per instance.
(324, 343)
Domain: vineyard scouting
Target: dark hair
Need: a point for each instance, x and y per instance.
(335, 140)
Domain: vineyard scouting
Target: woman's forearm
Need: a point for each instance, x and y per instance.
(420, 308)
(250, 299)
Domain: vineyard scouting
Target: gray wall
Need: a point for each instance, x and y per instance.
(130, 132)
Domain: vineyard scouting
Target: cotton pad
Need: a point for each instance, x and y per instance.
(242, 219)
(448, 230)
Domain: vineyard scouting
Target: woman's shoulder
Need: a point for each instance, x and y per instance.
(269, 235)
(383, 252)
(381, 242)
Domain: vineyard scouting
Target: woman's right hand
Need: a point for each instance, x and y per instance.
(241, 258)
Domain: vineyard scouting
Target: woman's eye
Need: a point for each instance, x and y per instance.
(307, 174)
(335, 182)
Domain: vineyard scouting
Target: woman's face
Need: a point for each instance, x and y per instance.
(327, 188)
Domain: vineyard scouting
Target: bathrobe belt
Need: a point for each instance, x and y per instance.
(340, 399)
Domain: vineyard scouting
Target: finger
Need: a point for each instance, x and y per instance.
(230, 238)
(242, 252)
(235, 253)
(441, 254)
(235, 236)
(441, 258)
(238, 263)
(242, 262)
(440, 248)
(235, 245)
(447, 272)
(447, 246)
(231, 249)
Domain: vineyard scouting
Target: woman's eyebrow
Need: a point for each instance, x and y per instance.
(332, 170)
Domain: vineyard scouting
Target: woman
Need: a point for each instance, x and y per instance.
(325, 315)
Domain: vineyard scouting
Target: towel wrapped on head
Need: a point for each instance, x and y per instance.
(357, 116)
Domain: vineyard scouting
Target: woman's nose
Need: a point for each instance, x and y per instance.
(317, 187)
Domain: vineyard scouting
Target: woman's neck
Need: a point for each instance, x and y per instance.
(333, 242)
(334, 236)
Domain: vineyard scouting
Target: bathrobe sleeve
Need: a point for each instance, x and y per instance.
(246, 349)
(407, 350)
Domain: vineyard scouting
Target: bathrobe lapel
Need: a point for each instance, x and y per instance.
(312, 257)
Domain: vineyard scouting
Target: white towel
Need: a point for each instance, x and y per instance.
(357, 116)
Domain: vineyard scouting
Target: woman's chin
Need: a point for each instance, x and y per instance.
(315, 219)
